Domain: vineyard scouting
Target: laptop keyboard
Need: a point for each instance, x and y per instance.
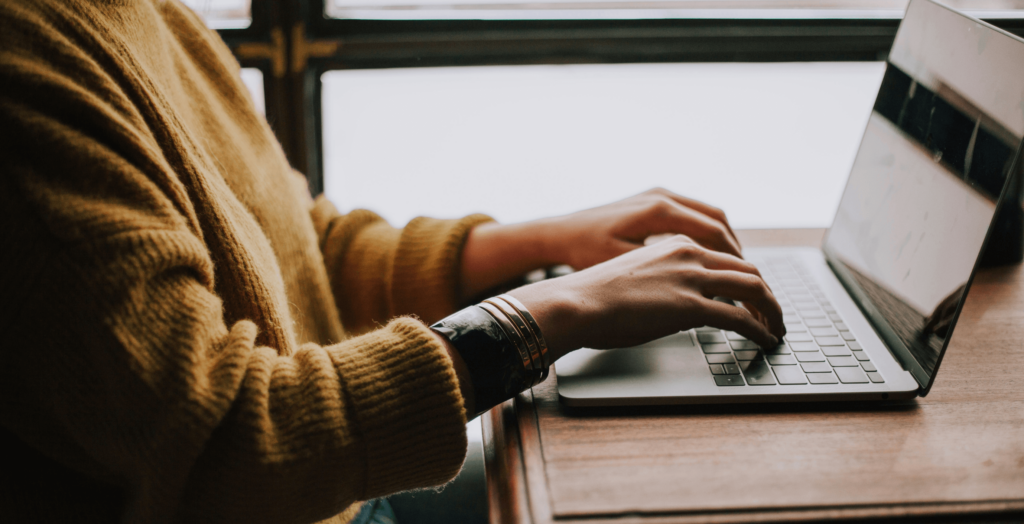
(818, 347)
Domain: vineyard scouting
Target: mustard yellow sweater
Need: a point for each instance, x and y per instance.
(172, 303)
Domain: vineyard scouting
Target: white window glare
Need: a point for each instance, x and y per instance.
(223, 14)
(771, 144)
(253, 80)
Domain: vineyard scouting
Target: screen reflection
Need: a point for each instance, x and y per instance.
(933, 161)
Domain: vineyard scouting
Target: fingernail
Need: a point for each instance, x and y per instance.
(775, 341)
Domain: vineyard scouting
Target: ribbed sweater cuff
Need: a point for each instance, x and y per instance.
(407, 405)
(427, 266)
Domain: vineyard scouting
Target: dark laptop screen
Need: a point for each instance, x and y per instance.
(933, 162)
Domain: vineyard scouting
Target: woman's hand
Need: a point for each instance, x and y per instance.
(595, 235)
(652, 292)
(497, 253)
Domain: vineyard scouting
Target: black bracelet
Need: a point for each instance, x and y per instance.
(495, 363)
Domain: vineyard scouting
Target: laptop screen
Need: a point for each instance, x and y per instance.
(933, 162)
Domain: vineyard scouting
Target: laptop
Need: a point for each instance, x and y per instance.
(868, 314)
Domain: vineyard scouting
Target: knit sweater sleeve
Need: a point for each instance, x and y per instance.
(120, 361)
(378, 271)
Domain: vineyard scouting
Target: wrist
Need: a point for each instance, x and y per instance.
(557, 310)
(531, 243)
(497, 253)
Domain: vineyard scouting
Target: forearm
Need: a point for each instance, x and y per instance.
(497, 253)
(378, 272)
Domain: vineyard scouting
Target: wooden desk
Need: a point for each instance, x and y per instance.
(958, 451)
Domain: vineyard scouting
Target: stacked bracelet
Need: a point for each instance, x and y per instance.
(545, 356)
(502, 346)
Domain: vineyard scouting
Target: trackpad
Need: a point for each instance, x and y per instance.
(669, 366)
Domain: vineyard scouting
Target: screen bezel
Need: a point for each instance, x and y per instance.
(874, 317)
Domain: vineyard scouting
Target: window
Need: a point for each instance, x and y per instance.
(647, 9)
(293, 43)
(223, 14)
(524, 142)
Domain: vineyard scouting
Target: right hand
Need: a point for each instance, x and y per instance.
(650, 293)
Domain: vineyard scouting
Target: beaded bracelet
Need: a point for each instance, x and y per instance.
(502, 346)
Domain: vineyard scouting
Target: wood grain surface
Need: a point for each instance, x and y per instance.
(960, 450)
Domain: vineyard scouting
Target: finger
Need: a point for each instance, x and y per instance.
(661, 237)
(705, 230)
(749, 289)
(734, 318)
(697, 205)
(724, 261)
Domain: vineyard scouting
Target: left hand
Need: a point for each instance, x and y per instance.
(496, 253)
(589, 237)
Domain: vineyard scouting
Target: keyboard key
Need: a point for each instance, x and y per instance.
(816, 367)
(729, 380)
(731, 369)
(710, 338)
(804, 346)
(843, 362)
(836, 351)
(848, 336)
(824, 332)
(781, 360)
(851, 376)
(786, 310)
(746, 355)
(818, 322)
(717, 369)
(789, 375)
(841, 326)
(707, 329)
(818, 378)
(716, 348)
(828, 308)
(868, 366)
(835, 317)
(781, 349)
(808, 357)
(876, 377)
(743, 344)
(732, 335)
(793, 327)
(855, 345)
(829, 341)
(798, 337)
(758, 373)
(862, 356)
(790, 319)
(817, 313)
(720, 359)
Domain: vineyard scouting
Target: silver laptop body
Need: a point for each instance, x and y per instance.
(870, 313)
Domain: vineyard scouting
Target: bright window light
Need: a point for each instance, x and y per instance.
(771, 144)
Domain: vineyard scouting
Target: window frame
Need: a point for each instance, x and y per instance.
(294, 105)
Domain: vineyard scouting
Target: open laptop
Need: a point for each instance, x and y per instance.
(870, 313)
